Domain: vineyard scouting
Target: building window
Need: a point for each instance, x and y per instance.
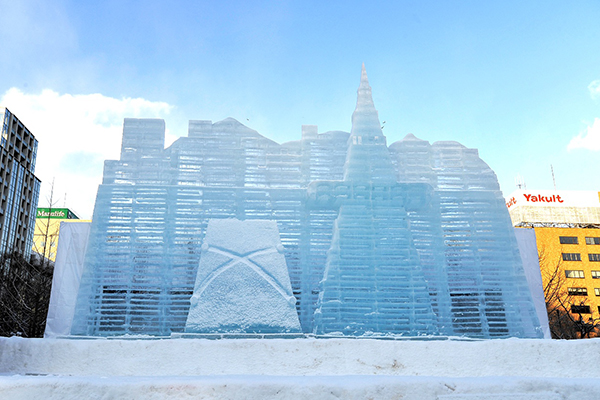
(595, 274)
(580, 309)
(574, 274)
(571, 256)
(577, 291)
(568, 240)
(594, 257)
(597, 291)
(592, 240)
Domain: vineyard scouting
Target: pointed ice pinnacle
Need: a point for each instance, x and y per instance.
(365, 119)
(368, 159)
(363, 75)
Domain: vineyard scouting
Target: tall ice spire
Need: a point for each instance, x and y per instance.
(365, 119)
(373, 281)
(368, 159)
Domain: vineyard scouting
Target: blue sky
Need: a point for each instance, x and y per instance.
(520, 81)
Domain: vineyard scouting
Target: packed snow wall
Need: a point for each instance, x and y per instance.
(413, 239)
(243, 285)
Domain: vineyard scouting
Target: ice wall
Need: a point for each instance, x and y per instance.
(153, 208)
(68, 268)
(243, 284)
(467, 240)
(422, 229)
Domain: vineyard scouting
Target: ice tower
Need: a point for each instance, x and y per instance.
(373, 281)
(409, 239)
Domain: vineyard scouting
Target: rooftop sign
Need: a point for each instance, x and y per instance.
(553, 198)
(56, 213)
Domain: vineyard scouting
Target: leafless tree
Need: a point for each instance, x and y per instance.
(25, 285)
(24, 295)
(564, 323)
(46, 247)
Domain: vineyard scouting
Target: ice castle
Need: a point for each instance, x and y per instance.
(334, 234)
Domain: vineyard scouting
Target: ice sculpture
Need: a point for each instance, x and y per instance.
(373, 281)
(243, 284)
(408, 239)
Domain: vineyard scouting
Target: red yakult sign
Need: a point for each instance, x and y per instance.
(550, 198)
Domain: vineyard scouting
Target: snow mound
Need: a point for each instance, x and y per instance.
(243, 283)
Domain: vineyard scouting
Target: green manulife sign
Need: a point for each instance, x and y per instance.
(57, 213)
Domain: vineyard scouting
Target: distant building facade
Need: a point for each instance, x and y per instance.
(19, 186)
(47, 229)
(567, 232)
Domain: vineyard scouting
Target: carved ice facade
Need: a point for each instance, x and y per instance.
(410, 239)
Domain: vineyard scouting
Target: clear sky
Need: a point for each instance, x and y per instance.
(518, 80)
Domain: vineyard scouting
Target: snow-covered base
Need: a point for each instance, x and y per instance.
(299, 369)
(295, 388)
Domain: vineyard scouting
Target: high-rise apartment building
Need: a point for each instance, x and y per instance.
(19, 186)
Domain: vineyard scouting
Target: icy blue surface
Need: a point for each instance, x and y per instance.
(373, 280)
(409, 239)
